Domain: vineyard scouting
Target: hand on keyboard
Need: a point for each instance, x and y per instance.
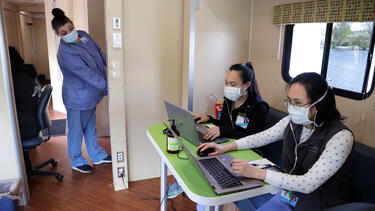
(242, 167)
(211, 133)
(200, 118)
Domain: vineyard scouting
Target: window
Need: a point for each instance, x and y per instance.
(341, 52)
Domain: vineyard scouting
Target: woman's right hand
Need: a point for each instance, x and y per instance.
(201, 118)
(219, 149)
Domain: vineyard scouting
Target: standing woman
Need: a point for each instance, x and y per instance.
(83, 65)
(244, 112)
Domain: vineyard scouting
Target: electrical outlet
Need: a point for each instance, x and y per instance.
(120, 172)
(120, 157)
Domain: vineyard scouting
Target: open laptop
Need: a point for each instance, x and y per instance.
(185, 123)
(218, 172)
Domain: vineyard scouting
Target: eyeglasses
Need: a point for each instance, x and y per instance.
(288, 102)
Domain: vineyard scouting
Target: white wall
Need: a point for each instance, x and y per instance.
(12, 28)
(11, 159)
(41, 49)
(26, 35)
(222, 39)
(152, 68)
(95, 10)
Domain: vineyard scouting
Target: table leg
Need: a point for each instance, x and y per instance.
(163, 186)
(218, 208)
(213, 208)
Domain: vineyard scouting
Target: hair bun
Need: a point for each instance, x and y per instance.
(250, 65)
(57, 12)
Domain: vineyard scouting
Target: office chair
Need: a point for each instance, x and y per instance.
(44, 122)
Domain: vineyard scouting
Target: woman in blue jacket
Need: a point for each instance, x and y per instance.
(83, 65)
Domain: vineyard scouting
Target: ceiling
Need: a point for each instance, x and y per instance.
(26, 2)
(31, 6)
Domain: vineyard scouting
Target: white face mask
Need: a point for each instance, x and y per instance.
(300, 115)
(232, 93)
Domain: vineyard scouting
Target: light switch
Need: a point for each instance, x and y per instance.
(116, 40)
(115, 69)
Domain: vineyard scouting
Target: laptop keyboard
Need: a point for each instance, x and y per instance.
(220, 173)
(201, 128)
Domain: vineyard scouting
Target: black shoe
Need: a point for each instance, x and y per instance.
(108, 159)
(83, 169)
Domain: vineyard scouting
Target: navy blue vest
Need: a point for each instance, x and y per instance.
(333, 191)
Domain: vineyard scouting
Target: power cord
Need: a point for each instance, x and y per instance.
(178, 155)
(172, 204)
(165, 194)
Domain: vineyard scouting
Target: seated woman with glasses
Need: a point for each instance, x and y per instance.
(316, 146)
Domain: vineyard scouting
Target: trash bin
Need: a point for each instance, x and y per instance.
(9, 191)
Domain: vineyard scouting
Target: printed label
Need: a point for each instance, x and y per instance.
(173, 144)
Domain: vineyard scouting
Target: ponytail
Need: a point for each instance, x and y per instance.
(247, 74)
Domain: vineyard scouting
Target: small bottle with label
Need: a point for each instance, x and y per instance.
(172, 143)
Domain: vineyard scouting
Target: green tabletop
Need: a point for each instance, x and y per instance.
(191, 176)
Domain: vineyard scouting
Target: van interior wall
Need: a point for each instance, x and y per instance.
(40, 43)
(95, 12)
(264, 54)
(12, 27)
(11, 163)
(152, 72)
(26, 35)
(221, 39)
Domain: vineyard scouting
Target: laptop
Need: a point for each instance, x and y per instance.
(185, 123)
(218, 172)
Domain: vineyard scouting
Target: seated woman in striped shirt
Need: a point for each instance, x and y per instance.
(316, 146)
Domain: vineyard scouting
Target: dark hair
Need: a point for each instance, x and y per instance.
(14, 56)
(59, 19)
(315, 86)
(247, 74)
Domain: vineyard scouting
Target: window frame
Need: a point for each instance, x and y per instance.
(288, 38)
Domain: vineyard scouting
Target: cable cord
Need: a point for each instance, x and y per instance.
(178, 155)
(230, 114)
(164, 197)
(295, 149)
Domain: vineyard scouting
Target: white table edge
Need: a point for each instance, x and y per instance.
(219, 200)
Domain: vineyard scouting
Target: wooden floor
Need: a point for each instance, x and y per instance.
(94, 191)
(55, 114)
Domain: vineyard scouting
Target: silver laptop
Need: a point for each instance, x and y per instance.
(218, 172)
(185, 123)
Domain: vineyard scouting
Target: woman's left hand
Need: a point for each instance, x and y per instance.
(243, 168)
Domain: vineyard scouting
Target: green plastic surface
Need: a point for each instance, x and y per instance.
(192, 177)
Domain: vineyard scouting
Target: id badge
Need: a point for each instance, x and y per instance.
(289, 197)
(84, 39)
(242, 121)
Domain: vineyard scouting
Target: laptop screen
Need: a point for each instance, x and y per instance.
(186, 151)
(184, 121)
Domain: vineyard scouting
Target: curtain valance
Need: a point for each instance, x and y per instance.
(325, 11)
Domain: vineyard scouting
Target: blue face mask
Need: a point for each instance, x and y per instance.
(71, 37)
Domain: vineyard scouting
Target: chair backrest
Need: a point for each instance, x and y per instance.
(43, 115)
